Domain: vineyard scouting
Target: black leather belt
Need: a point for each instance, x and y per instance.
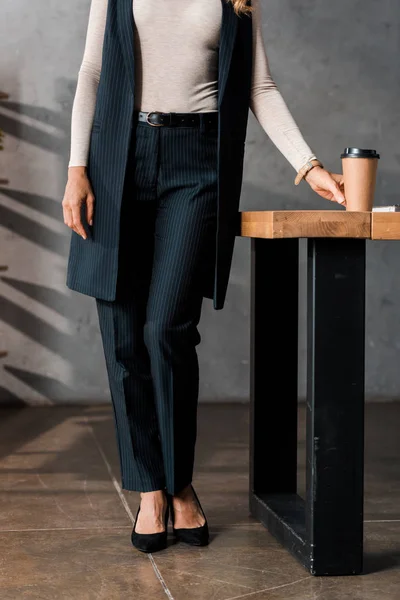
(174, 119)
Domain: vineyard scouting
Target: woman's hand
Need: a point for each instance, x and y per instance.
(78, 191)
(328, 185)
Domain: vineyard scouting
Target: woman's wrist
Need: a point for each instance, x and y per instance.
(77, 171)
(317, 165)
(310, 165)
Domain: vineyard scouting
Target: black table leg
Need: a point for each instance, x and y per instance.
(335, 405)
(273, 387)
(324, 531)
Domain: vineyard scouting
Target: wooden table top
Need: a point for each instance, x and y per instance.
(276, 224)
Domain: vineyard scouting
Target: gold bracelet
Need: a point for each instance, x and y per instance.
(306, 168)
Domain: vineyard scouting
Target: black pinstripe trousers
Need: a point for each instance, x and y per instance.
(149, 333)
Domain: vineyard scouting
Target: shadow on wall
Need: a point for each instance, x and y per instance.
(49, 130)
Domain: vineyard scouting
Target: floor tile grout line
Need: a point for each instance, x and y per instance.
(160, 577)
(275, 587)
(126, 506)
(383, 521)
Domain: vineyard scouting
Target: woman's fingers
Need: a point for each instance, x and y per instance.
(338, 188)
(68, 218)
(78, 192)
(90, 209)
(334, 188)
(338, 177)
(337, 194)
(67, 214)
(71, 213)
(326, 184)
(77, 219)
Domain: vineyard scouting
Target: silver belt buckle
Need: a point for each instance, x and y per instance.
(153, 124)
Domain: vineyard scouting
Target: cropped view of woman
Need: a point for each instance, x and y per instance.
(155, 173)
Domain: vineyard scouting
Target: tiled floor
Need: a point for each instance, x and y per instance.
(65, 523)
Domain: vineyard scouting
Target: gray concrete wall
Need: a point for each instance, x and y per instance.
(337, 65)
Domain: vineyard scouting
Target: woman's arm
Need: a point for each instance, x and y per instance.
(88, 81)
(78, 190)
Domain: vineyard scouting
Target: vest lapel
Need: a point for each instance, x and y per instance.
(227, 41)
(126, 33)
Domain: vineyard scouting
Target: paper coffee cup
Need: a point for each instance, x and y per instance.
(359, 172)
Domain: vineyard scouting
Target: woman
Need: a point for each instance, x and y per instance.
(155, 172)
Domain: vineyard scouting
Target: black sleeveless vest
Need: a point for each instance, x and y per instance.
(93, 263)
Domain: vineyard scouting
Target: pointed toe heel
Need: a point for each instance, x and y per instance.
(195, 536)
(150, 542)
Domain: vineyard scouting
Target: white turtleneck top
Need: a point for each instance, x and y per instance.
(183, 34)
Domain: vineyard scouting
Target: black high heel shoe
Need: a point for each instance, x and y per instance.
(151, 542)
(195, 536)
